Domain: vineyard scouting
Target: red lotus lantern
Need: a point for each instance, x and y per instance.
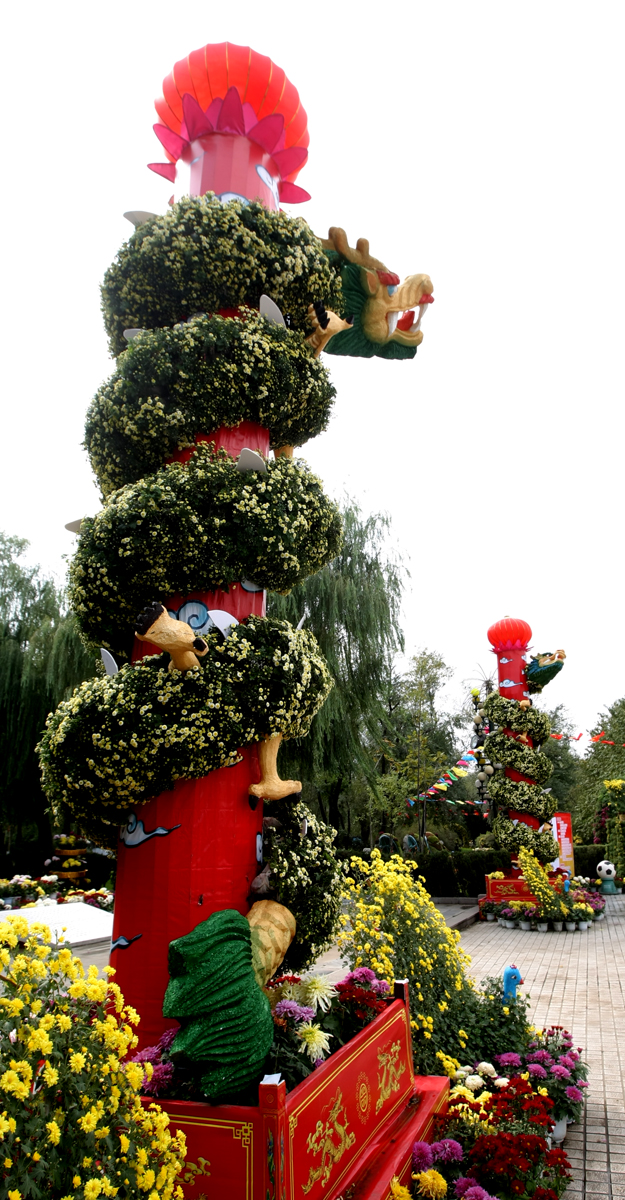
(232, 123)
(509, 639)
(509, 634)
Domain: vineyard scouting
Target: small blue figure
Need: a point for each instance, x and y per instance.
(511, 979)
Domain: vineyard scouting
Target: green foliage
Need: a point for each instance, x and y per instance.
(198, 526)
(490, 1028)
(587, 857)
(565, 764)
(601, 762)
(227, 1027)
(41, 658)
(202, 256)
(306, 877)
(173, 383)
(121, 739)
(353, 608)
(461, 873)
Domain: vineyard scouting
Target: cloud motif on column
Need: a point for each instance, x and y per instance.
(133, 833)
(122, 943)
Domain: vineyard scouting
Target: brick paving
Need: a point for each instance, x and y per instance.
(576, 980)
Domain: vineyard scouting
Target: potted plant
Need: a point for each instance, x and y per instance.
(542, 923)
(509, 917)
(488, 909)
(582, 914)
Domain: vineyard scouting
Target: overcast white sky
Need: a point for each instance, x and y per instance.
(482, 143)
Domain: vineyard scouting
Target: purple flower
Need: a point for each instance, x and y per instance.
(166, 1040)
(476, 1193)
(541, 1056)
(447, 1151)
(380, 987)
(160, 1081)
(422, 1156)
(297, 1012)
(151, 1054)
(360, 975)
(536, 1071)
(510, 1059)
(574, 1094)
(318, 1062)
(560, 1072)
(582, 1083)
(567, 1061)
(463, 1184)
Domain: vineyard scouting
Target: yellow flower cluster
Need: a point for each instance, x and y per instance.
(391, 925)
(70, 1115)
(431, 1184)
(538, 882)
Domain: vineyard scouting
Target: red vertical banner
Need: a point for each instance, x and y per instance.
(562, 827)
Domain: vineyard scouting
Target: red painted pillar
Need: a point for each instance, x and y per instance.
(193, 850)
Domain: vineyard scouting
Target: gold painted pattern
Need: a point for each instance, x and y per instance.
(390, 1074)
(323, 1141)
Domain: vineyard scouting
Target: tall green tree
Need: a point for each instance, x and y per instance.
(602, 761)
(41, 660)
(353, 608)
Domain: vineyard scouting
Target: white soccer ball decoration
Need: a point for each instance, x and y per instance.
(606, 869)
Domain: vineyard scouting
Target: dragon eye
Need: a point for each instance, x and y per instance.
(391, 288)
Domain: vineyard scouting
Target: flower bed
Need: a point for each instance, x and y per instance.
(495, 1139)
(547, 901)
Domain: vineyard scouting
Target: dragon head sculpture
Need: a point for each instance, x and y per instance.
(380, 309)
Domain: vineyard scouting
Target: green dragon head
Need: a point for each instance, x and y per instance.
(381, 308)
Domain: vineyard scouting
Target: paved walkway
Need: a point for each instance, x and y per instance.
(576, 980)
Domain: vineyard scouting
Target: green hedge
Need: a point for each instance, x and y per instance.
(462, 873)
(586, 859)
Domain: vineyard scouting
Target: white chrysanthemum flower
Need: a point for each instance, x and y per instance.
(318, 992)
(501, 1081)
(486, 1068)
(474, 1082)
(315, 1043)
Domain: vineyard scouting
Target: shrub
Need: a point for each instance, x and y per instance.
(71, 1119)
(586, 859)
(392, 927)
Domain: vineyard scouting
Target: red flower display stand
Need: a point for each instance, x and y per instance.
(346, 1129)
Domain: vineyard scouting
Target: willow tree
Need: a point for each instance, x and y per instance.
(353, 608)
(41, 660)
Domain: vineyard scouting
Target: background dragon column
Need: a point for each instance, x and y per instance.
(517, 729)
(217, 312)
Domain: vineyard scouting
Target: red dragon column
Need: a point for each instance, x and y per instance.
(217, 311)
(524, 806)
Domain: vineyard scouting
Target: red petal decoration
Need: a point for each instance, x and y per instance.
(290, 160)
(172, 142)
(231, 119)
(292, 194)
(167, 170)
(195, 119)
(268, 132)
